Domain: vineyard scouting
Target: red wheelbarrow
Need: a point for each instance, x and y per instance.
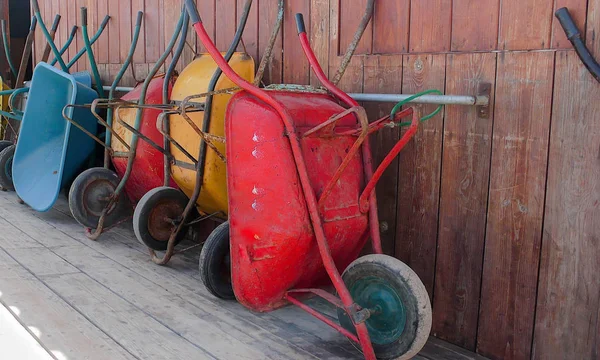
(302, 207)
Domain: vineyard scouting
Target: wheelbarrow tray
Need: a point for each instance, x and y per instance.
(148, 167)
(195, 79)
(49, 152)
(273, 247)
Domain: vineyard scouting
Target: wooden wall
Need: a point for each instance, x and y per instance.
(500, 216)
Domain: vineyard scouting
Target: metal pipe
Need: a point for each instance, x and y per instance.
(25, 57)
(90, 51)
(119, 88)
(92, 41)
(53, 30)
(49, 37)
(7, 49)
(67, 44)
(467, 100)
(165, 99)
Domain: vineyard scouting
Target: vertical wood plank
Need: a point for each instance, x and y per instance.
(266, 22)
(98, 10)
(419, 172)
(64, 29)
(140, 53)
(250, 38)
(73, 21)
(207, 12)
(593, 27)
(525, 25)
(171, 15)
(225, 23)
(577, 9)
(4, 67)
(430, 21)
(383, 74)
(319, 35)
(349, 19)
(391, 22)
(516, 204)
(295, 66)
(567, 317)
(114, 30)
(153, 30)
(475, 25)
(463, 201)
(126, 24)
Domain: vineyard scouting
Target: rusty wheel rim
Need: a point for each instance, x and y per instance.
(164, 219)
(97, 195)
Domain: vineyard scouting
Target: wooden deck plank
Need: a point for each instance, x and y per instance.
(123, 294)
(144, 336)
(42, 261)
(13, 238)
(568, 303)
(516, 204)
(60, 328)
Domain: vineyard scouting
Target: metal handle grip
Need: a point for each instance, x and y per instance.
(567, 23)
(55, 23)
(300, 23)
(33, 24)
(84, 19)
(140, 16)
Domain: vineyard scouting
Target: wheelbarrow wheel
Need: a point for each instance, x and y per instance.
(4, 144)
(89, 195)
(400, 321)
(157, 215)
(215, 263)
(6, 161)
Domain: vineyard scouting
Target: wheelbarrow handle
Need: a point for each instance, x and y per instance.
(84, 16)
(574, 36)
(193, 11)
(33, 24)
(55, 23)
(408, 135)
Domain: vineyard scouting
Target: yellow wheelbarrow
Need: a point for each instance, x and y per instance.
(196, 135)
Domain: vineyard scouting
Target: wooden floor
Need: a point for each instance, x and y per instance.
(106, 300)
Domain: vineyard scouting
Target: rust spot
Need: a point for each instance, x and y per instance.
(55, 172)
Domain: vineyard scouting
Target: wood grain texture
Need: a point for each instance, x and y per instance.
(249, 41)
(225, 23)
(105, 45)
(319, 35)
(516, 204)
(430, 21)
(419, 172)
(525, 25)
(73, 20)
(296, 69)
(567, 318)
(475, 25)
(463, 201)
(349, 19)
(207, 12)
(383, 74)
(577, 9)
(140, 54)
(391, 22)
(266, 22)
(593, 27)
(153, 30)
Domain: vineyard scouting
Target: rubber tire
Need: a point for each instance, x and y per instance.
(7, 156)
(77, 199)
(212, 258)
(4, 144)
(413, 295)
(143, 211)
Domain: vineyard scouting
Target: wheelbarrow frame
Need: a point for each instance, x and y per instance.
(367, 201)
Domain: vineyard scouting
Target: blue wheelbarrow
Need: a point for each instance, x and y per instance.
(49, 151)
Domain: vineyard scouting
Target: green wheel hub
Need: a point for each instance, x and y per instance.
(388, 314)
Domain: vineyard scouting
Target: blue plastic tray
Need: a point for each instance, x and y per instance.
(49, 151)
